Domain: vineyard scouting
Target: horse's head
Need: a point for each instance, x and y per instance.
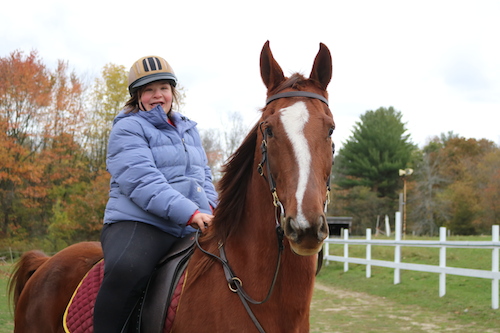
(297, 153)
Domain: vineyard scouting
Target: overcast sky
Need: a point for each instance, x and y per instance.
(438, 62)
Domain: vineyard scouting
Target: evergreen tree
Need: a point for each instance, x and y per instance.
(374, 153)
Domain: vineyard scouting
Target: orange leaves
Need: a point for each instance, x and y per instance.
(41, 119)
(53, 138)
(469, 170)
(25, 87)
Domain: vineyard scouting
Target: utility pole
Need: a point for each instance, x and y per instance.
(404, 173)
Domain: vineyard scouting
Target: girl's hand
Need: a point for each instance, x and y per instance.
(201, 221)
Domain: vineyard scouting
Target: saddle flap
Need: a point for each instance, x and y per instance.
(162, 285)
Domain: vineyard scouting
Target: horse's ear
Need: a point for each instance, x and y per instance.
(322, 68)
(270, 70)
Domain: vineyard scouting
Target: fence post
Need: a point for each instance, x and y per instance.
(442, 261)
(368, 252)
(346, 250)
(397, 248)
(494, 267)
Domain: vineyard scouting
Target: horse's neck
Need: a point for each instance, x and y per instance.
(257, 244)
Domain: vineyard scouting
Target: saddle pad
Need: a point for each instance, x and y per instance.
(78, 317)
(174, 303)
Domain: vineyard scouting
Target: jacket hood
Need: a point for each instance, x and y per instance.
(158, 118)
(155, 116)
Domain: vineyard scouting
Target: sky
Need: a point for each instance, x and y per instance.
(437, 62)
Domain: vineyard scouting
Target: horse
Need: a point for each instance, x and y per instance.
(254, 269)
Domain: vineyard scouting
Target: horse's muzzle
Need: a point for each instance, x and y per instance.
(306, 241)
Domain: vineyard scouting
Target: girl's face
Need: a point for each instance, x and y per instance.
(157, 93)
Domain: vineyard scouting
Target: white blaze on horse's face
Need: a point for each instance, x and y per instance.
(294, 119)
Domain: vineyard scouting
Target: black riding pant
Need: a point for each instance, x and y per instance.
(131, 252)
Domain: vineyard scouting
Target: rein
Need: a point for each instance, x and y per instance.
(236, 285)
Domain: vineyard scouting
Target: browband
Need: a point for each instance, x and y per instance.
(296, 94)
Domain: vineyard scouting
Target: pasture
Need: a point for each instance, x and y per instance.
(349, 302)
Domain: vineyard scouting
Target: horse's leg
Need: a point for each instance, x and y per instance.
(43, 300)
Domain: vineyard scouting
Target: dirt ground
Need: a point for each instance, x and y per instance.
(341, 311)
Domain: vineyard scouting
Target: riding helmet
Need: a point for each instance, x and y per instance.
(149, 69)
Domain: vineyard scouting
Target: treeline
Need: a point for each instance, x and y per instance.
(54, 186)
(54, 127)
(455, 183)
(54, 131)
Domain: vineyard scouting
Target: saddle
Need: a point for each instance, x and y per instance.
(164, 289)
(156, 309)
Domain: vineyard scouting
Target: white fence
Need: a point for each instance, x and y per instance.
(442, 270)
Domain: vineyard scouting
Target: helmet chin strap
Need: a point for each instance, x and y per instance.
(141, 106)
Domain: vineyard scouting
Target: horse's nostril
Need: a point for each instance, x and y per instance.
(323, 231)
(291, 229)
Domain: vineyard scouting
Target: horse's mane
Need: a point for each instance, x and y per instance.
(233, 187)
(296, 81)
(232, 195)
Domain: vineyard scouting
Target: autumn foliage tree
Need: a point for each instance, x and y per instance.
(54, 186)
(25, 95)
(108, 96)
(54, 133)
(456, 186)
(43, 165)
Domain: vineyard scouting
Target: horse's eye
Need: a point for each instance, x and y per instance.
(269, 132)
(330, 132)
(333, 153)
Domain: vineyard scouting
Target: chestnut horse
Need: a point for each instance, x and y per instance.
(254, 270)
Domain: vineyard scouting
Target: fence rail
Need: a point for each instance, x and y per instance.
(442, 269)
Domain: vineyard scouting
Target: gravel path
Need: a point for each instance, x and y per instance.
(341, 311)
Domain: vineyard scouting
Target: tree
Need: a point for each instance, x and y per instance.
(461, 160)
(489, 191)
(234, 134)
(426, 208)
(25, 94)
(210, 140)
(219, 150)
(374, 153)
(109, 95)
(366, 168)
(456, 186)
(364, 207)
(41, 117)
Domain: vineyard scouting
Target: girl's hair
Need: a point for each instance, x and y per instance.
(132, 104)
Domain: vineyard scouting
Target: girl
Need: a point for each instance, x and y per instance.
(161, 189)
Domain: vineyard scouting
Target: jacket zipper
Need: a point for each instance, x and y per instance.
(184, 144)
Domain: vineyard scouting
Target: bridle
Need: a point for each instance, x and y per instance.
(235, 284)
(263, 147)
(296, 94)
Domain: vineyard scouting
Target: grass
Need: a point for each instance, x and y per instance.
(467, 300)
(6, 321)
